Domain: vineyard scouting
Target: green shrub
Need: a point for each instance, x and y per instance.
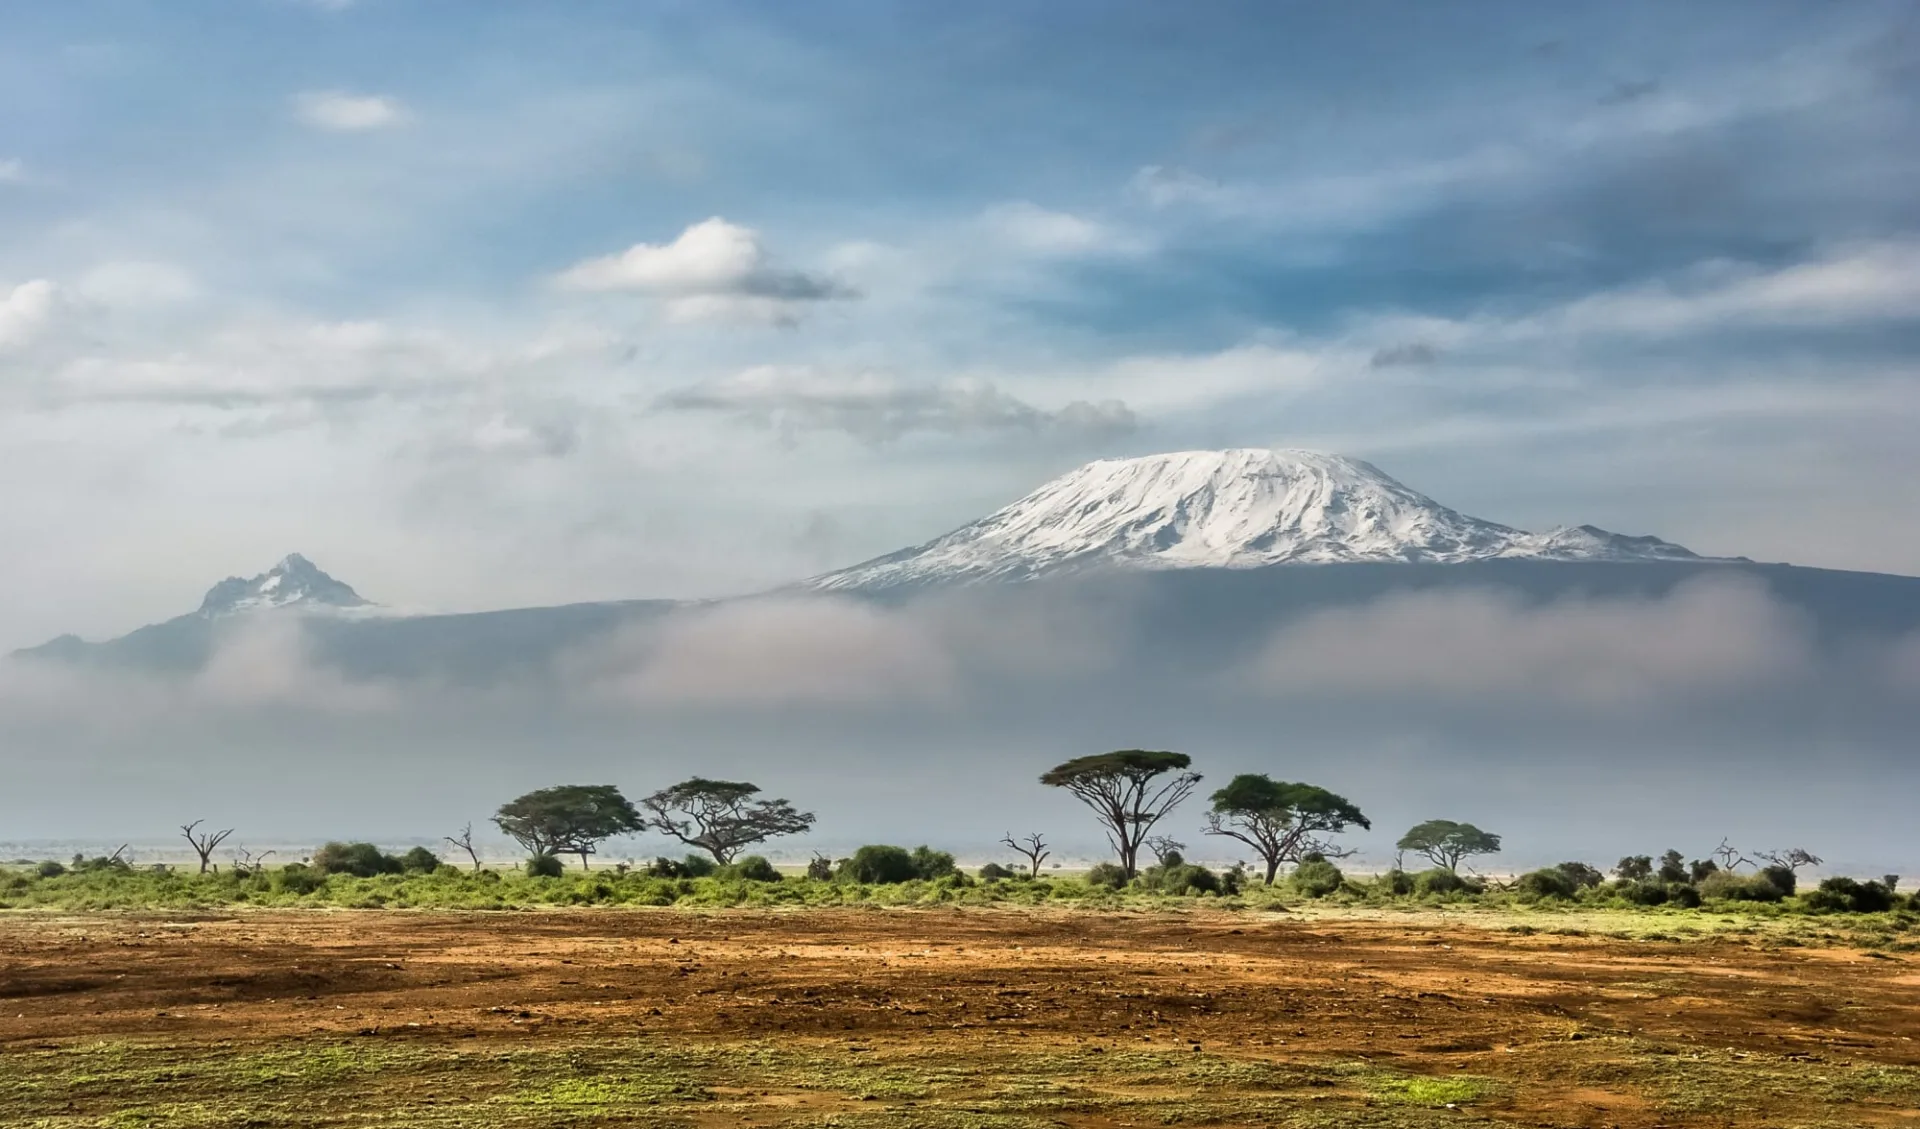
(1396, 882)
(1107, 875)
(692, 866)
(878, 864)
(820, 868)
(1440, 880)
(1725, 885)
(931, 864)
(420, 860)
(1582, 875)
(1180, 878)
(1552, 882)
(297, 879)
(1844, 895)
(1316, 878)
(362, 860)
(1641, 892)
(1782, 877)
(994, 872)
(544, 866)
(1683, 894)
(753, 868)
(49, 869)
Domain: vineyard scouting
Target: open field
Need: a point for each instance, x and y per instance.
(963, 1017)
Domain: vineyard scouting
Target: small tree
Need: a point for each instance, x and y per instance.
(204, 842)
(465, 842)
(1445, 843)
(1791, 859)
(1281, 821)
(1672, 868)
(1033, 848)
(573, 818)
(721, 816)
(1634, 868)
(1126, 791)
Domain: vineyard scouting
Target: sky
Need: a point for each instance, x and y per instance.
(483, 304)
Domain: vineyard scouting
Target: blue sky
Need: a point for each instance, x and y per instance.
(492, 303)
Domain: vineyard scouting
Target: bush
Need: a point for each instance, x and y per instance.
(1583, 875)
(1683, 894)
(820, 868)
(1725, 885)
(931, 864)
(693, 866)
(1782, 877)
(1107, 875)
(1177, 876)
(994, 872)
(297, 879)
(49, 869)
(362, 860)
(879, 864)
(1440, 880)
(1316, 878)
(544, 866)
(1844, 895)
(1553, 882)
(1641, 892)
(1396, 882)
(753, 868)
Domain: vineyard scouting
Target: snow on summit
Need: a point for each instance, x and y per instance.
(295, 582)
(1239, 508)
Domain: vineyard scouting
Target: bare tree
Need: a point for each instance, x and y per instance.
(1165, 848)
(465, 842)
(1791, 859)
(1729, 857)
(246, 862)
(204, 843)
(1033, 848)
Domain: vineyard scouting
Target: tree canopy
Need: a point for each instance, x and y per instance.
(721, 816)
(1445, 842)
(1127, 793)
(570, 818)
(1281, 821)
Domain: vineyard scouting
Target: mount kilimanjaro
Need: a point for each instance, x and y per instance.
(1210, 549)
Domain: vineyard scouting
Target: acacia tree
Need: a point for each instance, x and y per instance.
(1279, 820)
(1127, 793)
(573, 818)
(721, 816)
(1445, 842)
(204, 842)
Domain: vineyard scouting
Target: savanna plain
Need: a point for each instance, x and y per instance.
(955, 1016)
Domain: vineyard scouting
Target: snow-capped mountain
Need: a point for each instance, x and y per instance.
(294, 583)
(1235, 509)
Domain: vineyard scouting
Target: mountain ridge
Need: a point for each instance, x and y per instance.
(1233, 508)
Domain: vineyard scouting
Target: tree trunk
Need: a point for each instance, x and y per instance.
(583, 861)
(1273, 868)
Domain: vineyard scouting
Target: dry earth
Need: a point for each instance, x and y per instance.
(984, 1017)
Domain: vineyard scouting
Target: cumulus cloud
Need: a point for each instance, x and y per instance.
(134, 283)
(713, 269)
(25, 311)
(341, 111)
(877, 407)
(1709, 636)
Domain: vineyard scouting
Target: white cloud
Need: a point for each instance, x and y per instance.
(1708, 636)
(342, 112)
(1030, 228)
(712, 269)
(134, 283)
(25, 311)
(878, 407)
